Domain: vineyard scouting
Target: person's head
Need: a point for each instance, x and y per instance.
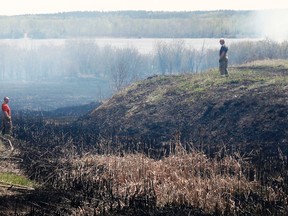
(6, 99)
(221, 41)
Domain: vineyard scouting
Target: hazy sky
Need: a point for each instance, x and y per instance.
(14, 7)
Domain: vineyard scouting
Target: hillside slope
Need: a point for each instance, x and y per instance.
(250, 108)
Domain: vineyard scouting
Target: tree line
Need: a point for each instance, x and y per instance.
(84, 59)
(194, 24)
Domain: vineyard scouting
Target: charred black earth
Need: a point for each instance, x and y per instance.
(247, 110)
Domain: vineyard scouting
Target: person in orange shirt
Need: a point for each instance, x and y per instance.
(6, 119)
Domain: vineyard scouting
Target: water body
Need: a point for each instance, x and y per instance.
(143, 45)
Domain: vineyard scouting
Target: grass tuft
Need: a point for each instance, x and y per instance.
(14, 179)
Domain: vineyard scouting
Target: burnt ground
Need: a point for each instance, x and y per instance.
(246, 112)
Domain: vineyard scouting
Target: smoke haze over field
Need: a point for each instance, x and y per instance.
(273, 24)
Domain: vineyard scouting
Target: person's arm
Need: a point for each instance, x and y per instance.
(5, 112)
(7, 115)
(223, 53)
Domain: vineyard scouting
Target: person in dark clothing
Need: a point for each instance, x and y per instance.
(223, 59)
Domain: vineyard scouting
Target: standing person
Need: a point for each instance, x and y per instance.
(223, 58)
(6, 119)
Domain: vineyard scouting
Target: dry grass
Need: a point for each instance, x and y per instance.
(212, 185)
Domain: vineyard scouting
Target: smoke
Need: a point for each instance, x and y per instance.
(272, 24)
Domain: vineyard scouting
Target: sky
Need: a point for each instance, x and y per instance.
(19, 7)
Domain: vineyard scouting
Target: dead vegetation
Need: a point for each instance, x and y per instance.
(193, 180)
(171, 145)
(135, 184)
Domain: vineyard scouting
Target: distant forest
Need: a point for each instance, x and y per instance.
(136, 24)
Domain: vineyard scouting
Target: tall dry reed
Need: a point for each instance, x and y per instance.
(193, 179)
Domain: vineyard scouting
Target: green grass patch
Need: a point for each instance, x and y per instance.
(156, 96)
(1, 143)
(14, 179)
(199, 83)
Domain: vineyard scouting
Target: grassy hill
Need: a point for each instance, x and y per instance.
(249, 108)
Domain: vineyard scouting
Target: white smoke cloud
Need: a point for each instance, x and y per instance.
(273, 24)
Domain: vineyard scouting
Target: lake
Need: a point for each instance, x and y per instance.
(143, 45)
